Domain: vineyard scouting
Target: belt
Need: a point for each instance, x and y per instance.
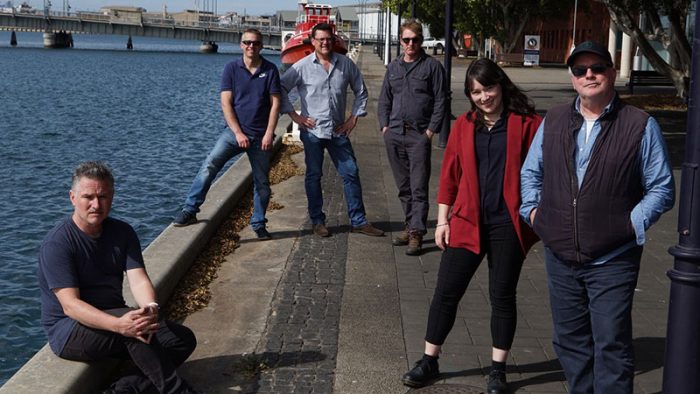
(408, 126)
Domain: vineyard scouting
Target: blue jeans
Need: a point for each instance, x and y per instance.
(592, 315)
(343, 157)
(225, 149)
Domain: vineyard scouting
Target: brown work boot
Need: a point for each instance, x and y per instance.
(415, 243)
(321, 230)
(401, 239)
(368, 229)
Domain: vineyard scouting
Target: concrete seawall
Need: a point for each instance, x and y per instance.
(167, 259)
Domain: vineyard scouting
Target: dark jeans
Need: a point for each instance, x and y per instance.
(409, 157)
(592, 316)
(505, 259)
(169, 348)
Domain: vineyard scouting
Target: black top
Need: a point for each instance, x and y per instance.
(491, 164)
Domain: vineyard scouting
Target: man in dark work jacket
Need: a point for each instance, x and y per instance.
(596, 177)
(411, 109)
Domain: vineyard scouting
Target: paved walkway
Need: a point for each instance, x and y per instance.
(347, 314)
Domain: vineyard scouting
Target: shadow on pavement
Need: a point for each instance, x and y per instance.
(240, 372)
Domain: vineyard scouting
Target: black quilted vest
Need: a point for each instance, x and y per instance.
(580, 225)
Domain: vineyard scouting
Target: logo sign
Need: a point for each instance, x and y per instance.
(531, 51)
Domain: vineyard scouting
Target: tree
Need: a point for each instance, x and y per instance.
(665, 23)
(503, 20)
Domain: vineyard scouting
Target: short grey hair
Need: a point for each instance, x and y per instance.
(96, 170)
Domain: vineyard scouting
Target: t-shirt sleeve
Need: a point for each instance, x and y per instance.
(57, 262)
(134, 257)
(275, 87)
(227, 78)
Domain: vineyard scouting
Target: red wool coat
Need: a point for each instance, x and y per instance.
(459, 179)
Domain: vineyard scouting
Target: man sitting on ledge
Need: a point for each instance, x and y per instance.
(82, 262)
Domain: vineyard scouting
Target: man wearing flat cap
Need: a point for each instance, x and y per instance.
(596, 177)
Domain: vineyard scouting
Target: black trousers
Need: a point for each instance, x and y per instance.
(409, 157)
(500, 244)
(156, 362)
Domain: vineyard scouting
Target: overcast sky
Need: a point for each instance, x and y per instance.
(252, 7)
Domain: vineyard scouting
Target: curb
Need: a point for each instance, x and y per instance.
(167, 258)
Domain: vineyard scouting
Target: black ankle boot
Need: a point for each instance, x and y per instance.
(425, 370)
(497, 383)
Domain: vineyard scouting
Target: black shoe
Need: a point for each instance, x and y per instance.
(263, 234)
(184, 218)
(423, 372)
(497, 383)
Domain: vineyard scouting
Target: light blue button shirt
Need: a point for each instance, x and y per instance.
(323, 93)
(656, 172)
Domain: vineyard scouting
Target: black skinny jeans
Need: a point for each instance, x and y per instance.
(156, 362)
(457, 267)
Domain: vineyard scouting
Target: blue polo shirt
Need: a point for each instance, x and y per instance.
(251, 94)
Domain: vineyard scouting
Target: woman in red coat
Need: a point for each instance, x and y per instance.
(478, 203)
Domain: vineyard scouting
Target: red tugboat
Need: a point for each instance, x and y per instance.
(299, 45)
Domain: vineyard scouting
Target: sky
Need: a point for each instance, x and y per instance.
(251, 7)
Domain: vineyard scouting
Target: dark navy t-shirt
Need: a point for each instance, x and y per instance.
(251, 94)
(70, 258)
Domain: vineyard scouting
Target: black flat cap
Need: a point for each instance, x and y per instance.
(589, 47)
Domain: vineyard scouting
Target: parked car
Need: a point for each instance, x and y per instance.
(430, 43)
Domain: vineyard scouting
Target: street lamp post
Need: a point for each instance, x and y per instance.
(681, 363)
(573, 33)
(449, 11)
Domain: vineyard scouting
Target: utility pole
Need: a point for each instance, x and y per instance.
(447, 122)
(398, 30)
(681, 364)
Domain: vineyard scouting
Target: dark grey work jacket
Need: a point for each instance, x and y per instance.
(415, 97)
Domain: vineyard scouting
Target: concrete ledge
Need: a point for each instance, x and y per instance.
(167, 259)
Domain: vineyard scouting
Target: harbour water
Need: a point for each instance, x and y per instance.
(152, 114)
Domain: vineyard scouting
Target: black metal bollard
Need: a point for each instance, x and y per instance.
(681, 363)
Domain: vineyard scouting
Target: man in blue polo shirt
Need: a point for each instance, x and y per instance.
(250, 100)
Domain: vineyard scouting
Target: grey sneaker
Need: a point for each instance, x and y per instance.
(184, 218)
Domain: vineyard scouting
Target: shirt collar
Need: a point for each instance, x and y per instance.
(608, 108)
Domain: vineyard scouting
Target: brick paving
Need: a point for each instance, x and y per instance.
(300, 342)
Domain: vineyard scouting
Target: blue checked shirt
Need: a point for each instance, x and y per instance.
(323, 93)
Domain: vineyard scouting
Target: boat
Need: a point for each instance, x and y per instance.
(299, 44)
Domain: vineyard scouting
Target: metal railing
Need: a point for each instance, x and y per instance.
(139, 19)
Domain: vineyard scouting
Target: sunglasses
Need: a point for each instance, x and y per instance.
(580, 70)
(415, 40)
(249, 43)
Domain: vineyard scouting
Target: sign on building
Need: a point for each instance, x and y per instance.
(532, 51)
